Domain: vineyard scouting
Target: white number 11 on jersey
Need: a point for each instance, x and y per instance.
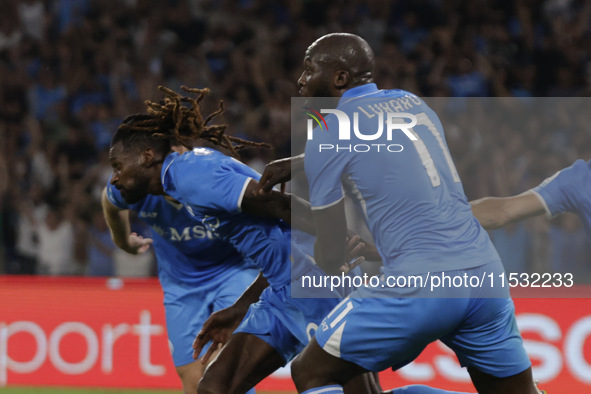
(426, 159)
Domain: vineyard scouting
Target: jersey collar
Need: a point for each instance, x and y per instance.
(166, 165)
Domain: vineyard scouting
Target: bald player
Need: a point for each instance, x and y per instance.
(416, 209)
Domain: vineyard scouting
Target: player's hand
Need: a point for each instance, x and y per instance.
(348, 267)
(278, 171)
(136, 244)
(357, 247)
(217, 328)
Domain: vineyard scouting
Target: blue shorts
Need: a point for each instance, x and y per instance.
(377, 333)
(264, 324)
(284, 322)
(185, 316)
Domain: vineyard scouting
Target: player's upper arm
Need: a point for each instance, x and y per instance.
(211, 183)
(117, 219)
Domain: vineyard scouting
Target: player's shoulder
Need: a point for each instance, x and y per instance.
(397, 92)
(199, 156)
(578, 170)
(581, 174)
(404, 101)
(195, 161)
(400, 93)
(565, 179)
(202, 165)
(582, 166)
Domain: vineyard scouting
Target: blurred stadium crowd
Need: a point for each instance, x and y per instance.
(70, 70)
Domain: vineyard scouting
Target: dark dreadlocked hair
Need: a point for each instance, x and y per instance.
(173, 122)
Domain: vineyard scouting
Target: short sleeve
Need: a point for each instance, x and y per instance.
(559, 193)
(550, 200)
(208, 183)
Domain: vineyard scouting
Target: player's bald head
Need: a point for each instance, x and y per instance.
(344, 51)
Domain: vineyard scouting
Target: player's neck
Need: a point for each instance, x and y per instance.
(155, 186)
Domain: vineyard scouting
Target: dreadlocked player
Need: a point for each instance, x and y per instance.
(199, 273)
(221, 192)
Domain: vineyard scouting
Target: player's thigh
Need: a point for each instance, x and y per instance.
(314, 367)
(365, 383)
(183, 322)
(377, 333)
(242, 363)
(185, 316)
(488, 340)
(260, 345)
(521, 383)
(262, 321)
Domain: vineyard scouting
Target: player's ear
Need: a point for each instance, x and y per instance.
(341, 79)
(148, 158)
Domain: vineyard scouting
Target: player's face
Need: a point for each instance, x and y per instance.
(129, 176)
(315, 80)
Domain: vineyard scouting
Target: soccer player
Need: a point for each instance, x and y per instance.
(422, 223)
(199, 273)
(223, 191)
(569, 190)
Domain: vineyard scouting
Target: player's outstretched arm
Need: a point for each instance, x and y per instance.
(280, 171)
(496, 212)
(118, 222)
(278, 205)
(221, 324)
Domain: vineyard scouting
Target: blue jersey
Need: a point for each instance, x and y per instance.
(212, 185)
(409, 191)
(188, 254)
(569, 190)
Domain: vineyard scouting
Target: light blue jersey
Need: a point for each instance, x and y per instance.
(569, 190)
(199, 273)
(409, 191)
(406, 185)
(188, 254)
(212, 185)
